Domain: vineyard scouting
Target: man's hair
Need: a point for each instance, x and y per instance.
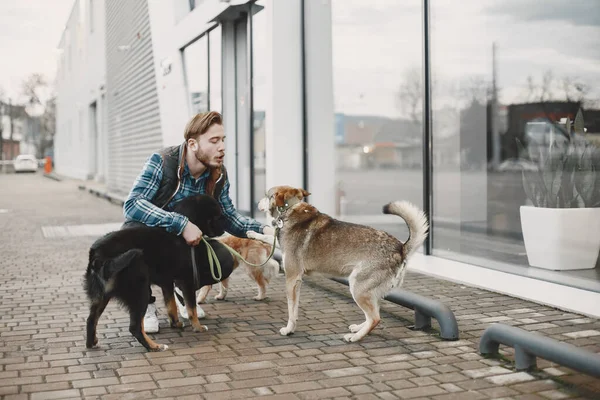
(201, 123)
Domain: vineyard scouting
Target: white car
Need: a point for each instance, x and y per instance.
(26, 163)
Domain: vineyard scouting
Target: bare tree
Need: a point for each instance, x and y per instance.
(567, 88)
(539, 92)
(531, 89)
(546, 86)
(410, 94)
(575, 90)
(475, 89)
(35, 89)
(41, 106)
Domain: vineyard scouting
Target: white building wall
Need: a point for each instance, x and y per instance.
(172, 28)
(80, 81)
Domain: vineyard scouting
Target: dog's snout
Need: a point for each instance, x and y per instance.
(263, 204)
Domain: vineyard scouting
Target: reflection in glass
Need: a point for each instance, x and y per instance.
(196, 70)
(259, 81)
(377, 73)
(515, 98)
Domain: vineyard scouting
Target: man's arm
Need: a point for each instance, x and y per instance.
(138, 207)
(237, 224)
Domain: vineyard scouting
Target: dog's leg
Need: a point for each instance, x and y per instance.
(136, 327)
(203, 293)
(268, 239)
(293, 282)
(356, 327)
(352, 284)
(96, 310)
(223, 287)
(189, 294)
(369, 303)
(262, 287)
(169, 297)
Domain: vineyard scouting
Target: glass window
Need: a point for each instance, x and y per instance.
(377, 77)
(196, 73)
(259, 95)
(514, 85)
(214, 37)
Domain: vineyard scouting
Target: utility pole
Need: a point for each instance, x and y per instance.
(496, 145)
(2, 110)
(10, 118)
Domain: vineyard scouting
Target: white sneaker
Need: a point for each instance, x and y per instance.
(183, 309)
(150, 319)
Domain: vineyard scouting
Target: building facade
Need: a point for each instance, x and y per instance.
(361, 103)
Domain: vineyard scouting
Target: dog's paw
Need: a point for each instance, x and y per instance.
(259, 298)
(351, 337)
(252, 235)
(178, 325)
(220, 297)
(92, 344)
(355, 327)
(160, 347)
(286, 331)
(200, 328)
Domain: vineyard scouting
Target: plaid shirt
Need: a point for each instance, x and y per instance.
(138, 207)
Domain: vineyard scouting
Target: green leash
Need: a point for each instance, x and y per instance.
(213, 260)
(235, 253)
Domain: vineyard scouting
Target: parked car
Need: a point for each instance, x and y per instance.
(26, 163)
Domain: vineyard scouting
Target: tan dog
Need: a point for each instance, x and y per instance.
(254, 252)
(373, 260)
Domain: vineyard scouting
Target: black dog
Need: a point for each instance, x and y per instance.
(124, 263)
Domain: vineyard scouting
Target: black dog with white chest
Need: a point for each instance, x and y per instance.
(124, 263)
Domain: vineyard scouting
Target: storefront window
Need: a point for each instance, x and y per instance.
(377, 76)
(516, 130)
(196, 74)
(259, 96)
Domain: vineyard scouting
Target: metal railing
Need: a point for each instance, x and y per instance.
(528, 345)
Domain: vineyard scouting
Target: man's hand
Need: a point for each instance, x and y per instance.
(192, 234)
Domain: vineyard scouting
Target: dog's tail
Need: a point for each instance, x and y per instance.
(98, 278)
(415, 218)
(270, 269)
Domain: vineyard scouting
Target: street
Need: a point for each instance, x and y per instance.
(46, 230)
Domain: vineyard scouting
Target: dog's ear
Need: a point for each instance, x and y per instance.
(304, 193)
(280, 199)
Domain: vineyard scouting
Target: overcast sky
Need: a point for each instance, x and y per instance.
(375, 42)
(30, 31)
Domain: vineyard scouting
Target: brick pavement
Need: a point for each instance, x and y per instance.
(43, 311)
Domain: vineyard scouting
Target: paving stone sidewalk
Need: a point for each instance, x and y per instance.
(43, 311)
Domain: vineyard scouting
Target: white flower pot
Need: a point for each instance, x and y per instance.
(561, 238)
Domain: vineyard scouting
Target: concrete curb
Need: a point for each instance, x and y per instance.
(111, 197)
(53, 176)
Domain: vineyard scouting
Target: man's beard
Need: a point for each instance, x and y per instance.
(203, 158)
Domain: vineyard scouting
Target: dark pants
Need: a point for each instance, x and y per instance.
(135, 224)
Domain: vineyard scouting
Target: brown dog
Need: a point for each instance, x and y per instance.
(254, 252)
(374, 261)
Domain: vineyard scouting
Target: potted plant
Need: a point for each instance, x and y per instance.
(561, 227)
